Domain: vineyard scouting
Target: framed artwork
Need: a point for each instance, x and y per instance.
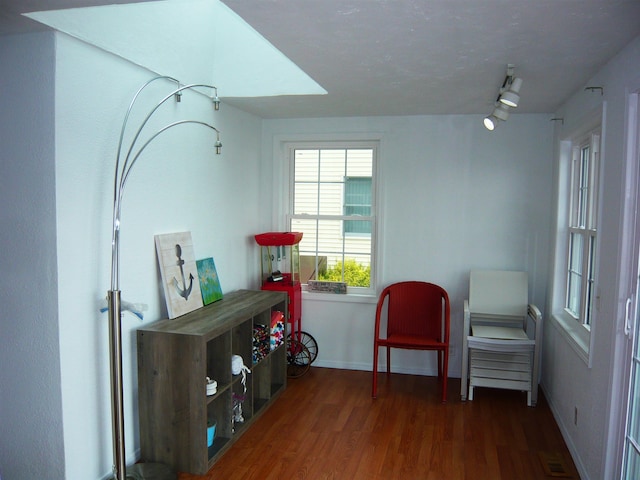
(209, 281)
(179, 273)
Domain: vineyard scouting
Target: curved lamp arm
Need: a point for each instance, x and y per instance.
(124, 167)
(121, 182)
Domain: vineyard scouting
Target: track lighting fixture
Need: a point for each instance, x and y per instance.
(508, 97)
(512, 96)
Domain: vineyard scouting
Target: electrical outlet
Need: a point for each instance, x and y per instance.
(575, 416)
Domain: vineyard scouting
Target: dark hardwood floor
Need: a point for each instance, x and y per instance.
(327, 426)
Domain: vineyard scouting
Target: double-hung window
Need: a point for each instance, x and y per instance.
(332, 203)
(576, 249)
(582, 229)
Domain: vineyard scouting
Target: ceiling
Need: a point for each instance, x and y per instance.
(418, 57)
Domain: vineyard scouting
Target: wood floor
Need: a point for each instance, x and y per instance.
(327, 426)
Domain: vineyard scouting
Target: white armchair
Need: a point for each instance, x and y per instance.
(502, 335)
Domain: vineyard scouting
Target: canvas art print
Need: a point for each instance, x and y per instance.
(179, 273)
(209, 281)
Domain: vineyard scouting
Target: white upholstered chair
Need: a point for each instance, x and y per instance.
(502, 335)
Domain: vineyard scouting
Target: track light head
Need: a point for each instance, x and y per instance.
(501, 112)
(511, 97)
(490, 122)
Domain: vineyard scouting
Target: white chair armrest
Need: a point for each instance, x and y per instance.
(534, 312)
(536, 317)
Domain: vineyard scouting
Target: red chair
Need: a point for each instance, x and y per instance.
(418, 319)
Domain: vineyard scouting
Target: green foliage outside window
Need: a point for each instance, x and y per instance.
(355, 274)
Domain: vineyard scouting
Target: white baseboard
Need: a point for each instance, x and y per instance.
(567, 438)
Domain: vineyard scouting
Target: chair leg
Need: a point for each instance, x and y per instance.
(388, 360)
(374, 388)
(445, 374)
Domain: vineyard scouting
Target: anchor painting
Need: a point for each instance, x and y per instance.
(178, 270)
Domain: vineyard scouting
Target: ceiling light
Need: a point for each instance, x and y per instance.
(501, 112)
(490, 122)
(512, 96)
(508, 97)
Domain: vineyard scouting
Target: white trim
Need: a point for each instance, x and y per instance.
(335, 297)
(566, 435)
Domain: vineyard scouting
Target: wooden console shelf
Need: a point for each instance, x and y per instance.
(174, 359)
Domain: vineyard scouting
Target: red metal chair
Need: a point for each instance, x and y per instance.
(418, 316)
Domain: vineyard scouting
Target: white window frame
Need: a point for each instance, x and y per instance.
(288, 149)
(578, 334)
(583, 222)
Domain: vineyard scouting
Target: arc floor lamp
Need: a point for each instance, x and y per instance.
(125, 162)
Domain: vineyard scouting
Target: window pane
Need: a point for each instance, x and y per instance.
(574, 287)
(306, 165)
(357, 201)
(359, 163)
(308, 227)
(584, 186)
(590, 280)
(305, 199)
(332, 165)
(593, 183)
(574, 215)
(331, 198)
(632, 466)
(575, 253)
(353, 269)
(632, 469)
(634, 408)
(330, 237)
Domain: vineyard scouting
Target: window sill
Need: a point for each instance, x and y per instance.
(576, 335)
(335, 297)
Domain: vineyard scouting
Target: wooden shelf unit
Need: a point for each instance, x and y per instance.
(175, 357)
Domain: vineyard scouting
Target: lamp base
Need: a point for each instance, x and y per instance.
(150, 471)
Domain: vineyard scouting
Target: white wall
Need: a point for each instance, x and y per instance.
(179, 184)
(454, 196)
(31, 443)
(567, 380)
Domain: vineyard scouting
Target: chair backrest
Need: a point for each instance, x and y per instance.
(494, 292)
(417, 308)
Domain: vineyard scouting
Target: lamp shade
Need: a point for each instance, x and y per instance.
(511, 97)
(490, 122)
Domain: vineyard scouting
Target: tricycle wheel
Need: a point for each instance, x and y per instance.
(298, 358)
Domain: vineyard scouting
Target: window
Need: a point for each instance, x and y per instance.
(332, 202)
(576, 247)
(582, 236)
